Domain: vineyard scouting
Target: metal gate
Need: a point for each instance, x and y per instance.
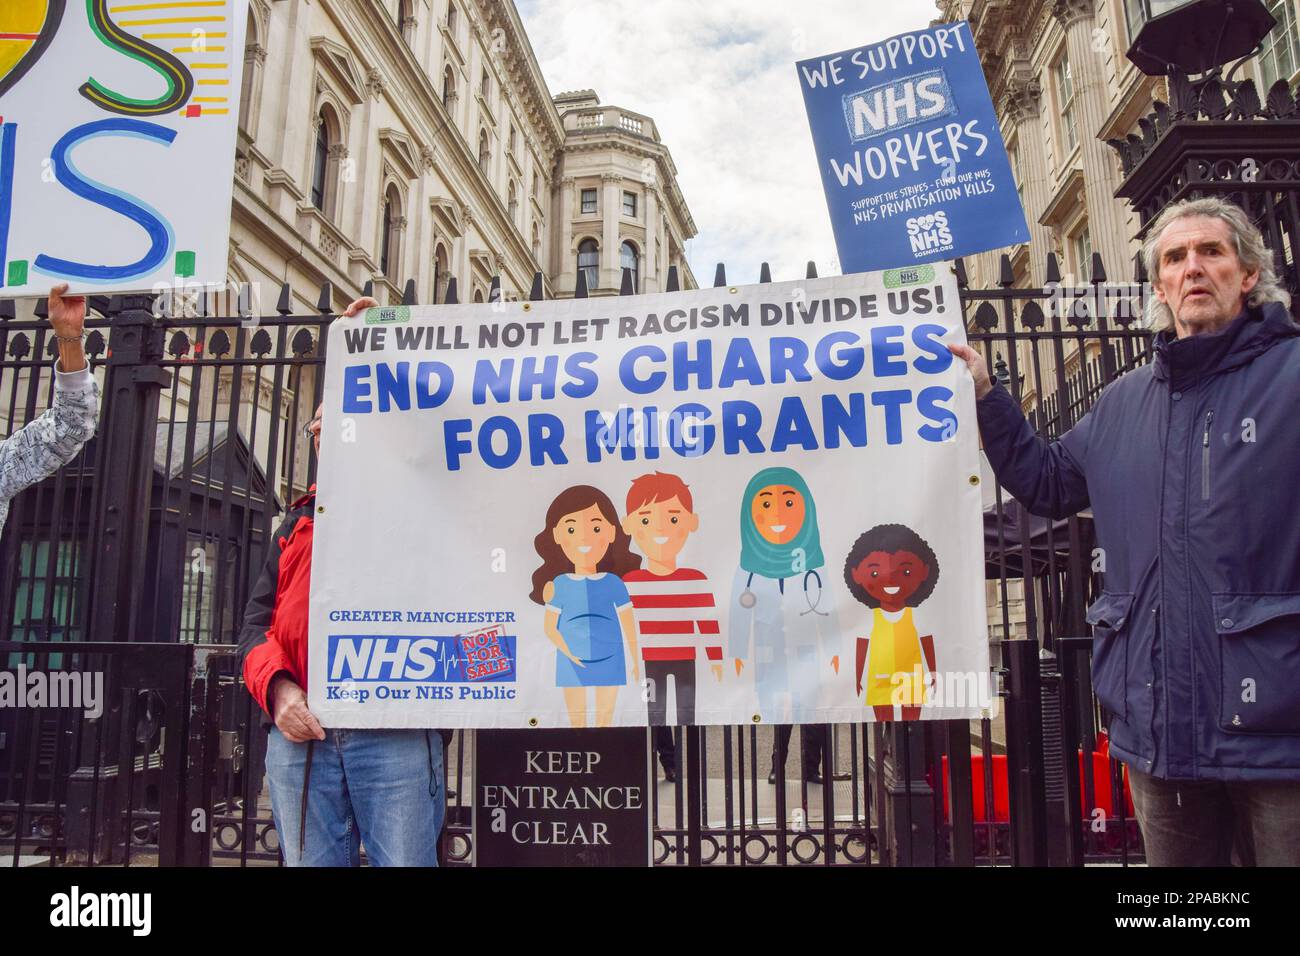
(137, 559)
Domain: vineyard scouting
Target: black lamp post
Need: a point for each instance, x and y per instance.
(1195, 36)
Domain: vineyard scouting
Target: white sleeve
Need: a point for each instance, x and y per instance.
(47, 443)
(740, 620)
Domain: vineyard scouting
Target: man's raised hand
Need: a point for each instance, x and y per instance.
(979, 370)
(365, 302)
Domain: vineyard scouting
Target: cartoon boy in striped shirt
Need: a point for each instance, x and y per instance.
(673, 606)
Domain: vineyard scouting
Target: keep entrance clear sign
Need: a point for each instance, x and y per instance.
(562, 797)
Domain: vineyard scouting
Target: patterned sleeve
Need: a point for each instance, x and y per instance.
(46, 444)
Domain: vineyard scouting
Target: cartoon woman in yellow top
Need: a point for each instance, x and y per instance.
(892, 570)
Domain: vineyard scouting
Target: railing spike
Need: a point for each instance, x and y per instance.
(1006, 274)
(1098, 268)
(764, 273)
(674, 283)
(625, 287)
(1053, 269)
(959, 267)
(284, 304)
(408, 294)
(494, 289)
(325, 301)
(811, 271)
(450, 298)
(580, 290)
(538, 292)
(720, 275)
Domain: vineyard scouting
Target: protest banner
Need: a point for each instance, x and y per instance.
(911, 155)
(556, 798)
(117, 143)
(726, 505)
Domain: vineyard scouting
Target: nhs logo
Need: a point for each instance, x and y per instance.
(898, 105)
(929, 233)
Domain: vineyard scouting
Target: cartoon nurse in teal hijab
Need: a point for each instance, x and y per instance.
(782, 611)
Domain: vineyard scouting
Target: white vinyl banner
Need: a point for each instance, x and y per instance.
(722, 506)
(117, 142)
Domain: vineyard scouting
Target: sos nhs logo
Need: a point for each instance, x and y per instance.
(929, 234)
(905, 102)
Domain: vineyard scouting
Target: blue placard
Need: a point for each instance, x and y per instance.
(911, 156)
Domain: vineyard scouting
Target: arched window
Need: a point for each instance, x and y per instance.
(513, 204)
(448, 87)
(440, 274)
(321, 164)
(325, 161)
(406, 20)
(390, 238)
(484, 151)
(589, 260)
(628, 260)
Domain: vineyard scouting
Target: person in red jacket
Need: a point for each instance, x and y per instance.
(332, 790)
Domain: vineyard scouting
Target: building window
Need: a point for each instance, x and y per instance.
(629, 205)
(325, 162)
(537, 176)
(440, 274)
(514, 203)
(46, 583)
(484, 151)
(589, 261)
(514, 137)
(448, 87)
(389, 239)
(1082, 242)
(405, 21)
(321, 164)
(588, 201)
(1013, 154)
(627, 258)
(451, 19)
(1280, 55)
(1065, 100)
(485, 84)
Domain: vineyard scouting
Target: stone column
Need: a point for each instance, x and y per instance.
(611, 276)
(464, 291)
(1021, 105)
(565, 257)
(1101, 169)
(362, 209)
(650, 279)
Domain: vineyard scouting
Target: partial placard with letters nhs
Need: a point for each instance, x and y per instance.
(910, 153)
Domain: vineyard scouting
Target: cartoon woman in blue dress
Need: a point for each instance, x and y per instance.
(585, 553)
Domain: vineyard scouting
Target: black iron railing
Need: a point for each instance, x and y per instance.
(138, 557)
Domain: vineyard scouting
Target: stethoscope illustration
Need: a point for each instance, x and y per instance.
(748, 598)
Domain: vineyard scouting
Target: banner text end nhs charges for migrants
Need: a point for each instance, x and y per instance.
(853, 339)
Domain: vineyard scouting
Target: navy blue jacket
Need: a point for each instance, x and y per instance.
(1192, 467)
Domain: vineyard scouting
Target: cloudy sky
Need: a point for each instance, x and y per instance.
(718, 77)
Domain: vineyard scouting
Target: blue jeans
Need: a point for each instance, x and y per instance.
(380, 788)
